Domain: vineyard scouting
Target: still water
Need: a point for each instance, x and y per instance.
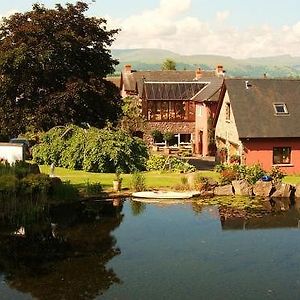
(130, 250)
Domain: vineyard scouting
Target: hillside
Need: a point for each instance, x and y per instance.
(151, 59)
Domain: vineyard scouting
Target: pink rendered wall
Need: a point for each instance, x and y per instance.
(261, 151)
(207, 110)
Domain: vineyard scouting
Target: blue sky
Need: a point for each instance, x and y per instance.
(228, 27)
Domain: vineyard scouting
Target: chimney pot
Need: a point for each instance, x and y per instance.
(198, 74)
(219, 70)
(127, 68)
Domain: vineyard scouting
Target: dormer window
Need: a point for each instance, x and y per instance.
(280, 109)
(227, 112)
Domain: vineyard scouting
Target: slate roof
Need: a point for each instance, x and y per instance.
(134, 82)
(116, 80)
(254, 111)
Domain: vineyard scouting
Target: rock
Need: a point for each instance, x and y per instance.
(191, 179)
(212, 183)
(262, 188)
(207, 194)
(224, 190)
(281, 204)
(283, 190)
(297, 191)
(242, 187)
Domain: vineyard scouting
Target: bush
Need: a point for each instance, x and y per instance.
(168, 137)
(157, 136)
(254, 173)
(92, 188)
(168, 163)
(138, 183)
(93, 150)
(276, 174)
(9, 183)
(63, 191)
(229, 175)
(200, 182)
(236, 172)
(35, 183)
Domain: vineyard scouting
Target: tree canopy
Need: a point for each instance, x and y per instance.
(169, 64)
(53, 64)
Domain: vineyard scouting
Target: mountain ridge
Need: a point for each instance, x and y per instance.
(152, 58)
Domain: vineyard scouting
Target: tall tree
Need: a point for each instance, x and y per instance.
(169, 64)
(53, 64)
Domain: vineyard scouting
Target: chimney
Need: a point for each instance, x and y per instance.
(127, 68)
(219, 70)
(198, 74)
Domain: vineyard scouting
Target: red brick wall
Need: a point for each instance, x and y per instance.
(261, 151)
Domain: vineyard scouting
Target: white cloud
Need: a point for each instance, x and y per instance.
(168, 27)
(222, 15)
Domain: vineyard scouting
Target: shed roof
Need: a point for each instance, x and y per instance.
(253, 107)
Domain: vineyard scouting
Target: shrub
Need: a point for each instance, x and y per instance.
(93, 150)
(276, 174)
(200, 182)
(168, 136)
(235, 159)
(228, 175)
(254, 173)
(157, 136)
(138, 183)
(92, 188)
(9, 183)
(64, 191)
(236, 172)
(158, 162)
(34, 183)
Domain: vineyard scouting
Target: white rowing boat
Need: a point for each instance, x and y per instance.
(165, 195)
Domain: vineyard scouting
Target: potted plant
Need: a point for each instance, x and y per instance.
(157, 137)
(168, 137)
(117, 182)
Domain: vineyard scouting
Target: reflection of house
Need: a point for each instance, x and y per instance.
(289, 219)
(181, 102)
(259, 121)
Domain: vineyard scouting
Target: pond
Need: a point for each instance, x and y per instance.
(130, 250)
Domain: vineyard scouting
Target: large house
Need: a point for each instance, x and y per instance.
(258, 120)
(181, 102)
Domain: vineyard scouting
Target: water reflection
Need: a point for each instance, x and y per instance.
(282, 213)
(63, 253)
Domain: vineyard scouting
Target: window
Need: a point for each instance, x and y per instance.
(171, 111)
(281, 155)
(227, 111)
(280, 109)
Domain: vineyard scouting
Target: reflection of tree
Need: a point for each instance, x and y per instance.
(197, 207)
(137, 208)
(67, 260)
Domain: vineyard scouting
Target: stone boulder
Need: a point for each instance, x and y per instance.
(297, 191)
(242, 188)
(262, 188)
(224, 190)
(282, 190)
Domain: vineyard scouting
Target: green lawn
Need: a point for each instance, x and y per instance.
(153, 179)
(292, 179)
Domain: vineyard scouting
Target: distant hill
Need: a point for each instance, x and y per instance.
(151, 59)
